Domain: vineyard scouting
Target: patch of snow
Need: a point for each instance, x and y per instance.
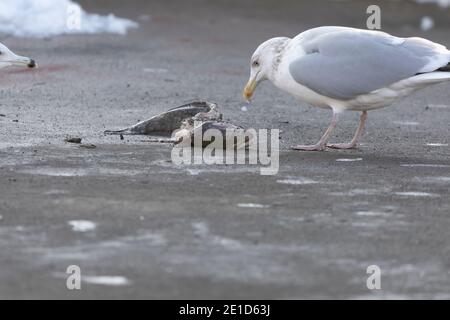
(416, 194)
(407, 123)
(440, 3)
(372, 214)
(44, 18)
(424, 165)
(349, 159)
(106, 280)
(82, 225)
(438, 106)
(437, 144)
(296, 181)
(433, 179)
(252, 205)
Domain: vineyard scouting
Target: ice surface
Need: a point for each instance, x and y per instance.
(43, 18)
(441, 3)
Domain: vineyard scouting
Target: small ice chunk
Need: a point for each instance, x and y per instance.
(349, 159)
(252, 205)
(106, 280)
(297, 181)
(194, 172)
(244, 109)
(440, 3)
(426, 23)
(372, 213)
(437, 144)
(416, 194)
(82, 225)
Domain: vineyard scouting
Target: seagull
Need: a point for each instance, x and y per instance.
(9, 58)
(342, 68)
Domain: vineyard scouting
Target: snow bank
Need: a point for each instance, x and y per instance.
(43, 18)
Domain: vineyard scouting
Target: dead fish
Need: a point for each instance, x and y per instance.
(232, 135)
(167, 122)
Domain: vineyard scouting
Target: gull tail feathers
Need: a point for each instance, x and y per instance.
(431, 77)
(446, 68)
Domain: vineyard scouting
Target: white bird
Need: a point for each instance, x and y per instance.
(347, 69)
(9, 58)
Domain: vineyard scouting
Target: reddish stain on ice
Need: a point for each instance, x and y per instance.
(41, 70)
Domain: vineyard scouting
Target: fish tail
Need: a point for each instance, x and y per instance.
(116, 132)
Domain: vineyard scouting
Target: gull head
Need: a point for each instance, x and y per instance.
(264, 63)
(9, 58)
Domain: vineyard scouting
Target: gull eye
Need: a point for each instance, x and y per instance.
(255, 63)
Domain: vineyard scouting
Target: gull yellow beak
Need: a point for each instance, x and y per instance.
(249, 89)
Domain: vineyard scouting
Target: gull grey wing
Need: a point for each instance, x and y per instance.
(345, 64)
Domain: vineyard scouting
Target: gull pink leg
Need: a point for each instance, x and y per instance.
(321, 145)
(359, 132)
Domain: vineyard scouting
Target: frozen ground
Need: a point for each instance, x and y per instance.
(141, 227)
